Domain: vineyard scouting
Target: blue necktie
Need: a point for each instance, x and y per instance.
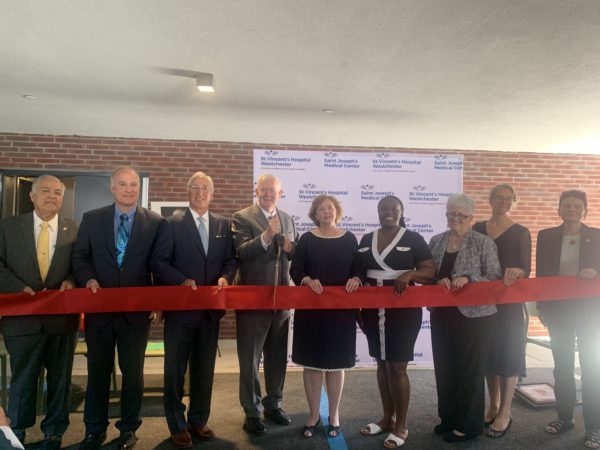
(122, 238)
(203, 234)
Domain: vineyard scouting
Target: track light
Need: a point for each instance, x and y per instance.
(205, 82)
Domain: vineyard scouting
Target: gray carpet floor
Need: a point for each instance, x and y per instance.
(360, 405)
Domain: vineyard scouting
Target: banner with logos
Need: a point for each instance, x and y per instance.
(359, 180)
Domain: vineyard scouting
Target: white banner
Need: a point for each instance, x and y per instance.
(359, 181)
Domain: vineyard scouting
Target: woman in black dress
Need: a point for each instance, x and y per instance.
(507, 351)
(393, 256)
(325, 340)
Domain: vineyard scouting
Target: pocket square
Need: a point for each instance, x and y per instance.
(403, 249)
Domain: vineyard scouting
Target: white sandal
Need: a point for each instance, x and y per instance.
(393, 441)
(371, 430)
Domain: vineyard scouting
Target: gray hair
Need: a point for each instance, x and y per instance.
(38, 180)
(461, 201)
(202, 175)
(122, 169)
(266, 177)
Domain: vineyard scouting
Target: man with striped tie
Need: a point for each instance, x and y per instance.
(35, 254)
(114, 248)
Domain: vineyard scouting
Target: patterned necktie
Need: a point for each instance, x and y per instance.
(122, 238)
(203, 234)
(43, 250)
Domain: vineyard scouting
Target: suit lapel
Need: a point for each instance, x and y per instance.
(108, 226)
(260, 218)
(214, 230)
(61, 237)
(555, 250)
(190, 224)
(136, 229)
(29, 239)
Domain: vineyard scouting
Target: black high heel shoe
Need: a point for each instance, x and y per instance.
(309, 431)
(333, 431)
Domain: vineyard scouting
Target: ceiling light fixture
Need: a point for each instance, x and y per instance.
(28, 97)
(328, 111)
(205, 82)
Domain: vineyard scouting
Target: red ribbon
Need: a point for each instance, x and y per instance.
(170, 298)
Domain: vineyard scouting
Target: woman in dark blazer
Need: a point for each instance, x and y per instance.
(573, 249)
(460, 334)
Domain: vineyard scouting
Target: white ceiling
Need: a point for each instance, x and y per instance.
(516, 75)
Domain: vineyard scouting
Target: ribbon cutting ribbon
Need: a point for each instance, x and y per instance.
(171, 298)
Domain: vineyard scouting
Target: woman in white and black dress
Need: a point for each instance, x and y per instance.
(325, 339)
(396, 257)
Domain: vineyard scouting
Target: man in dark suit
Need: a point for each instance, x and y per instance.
(198, 251)
(35, 255)
(114, 248)
(264, 238)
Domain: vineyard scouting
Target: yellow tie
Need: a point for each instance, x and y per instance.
(43, 247)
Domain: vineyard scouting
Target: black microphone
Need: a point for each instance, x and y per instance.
(280, 239)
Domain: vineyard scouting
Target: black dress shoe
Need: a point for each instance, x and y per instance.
(254, 425)
(52, 443)
(278, 416)
(442, 428)
(92, 441)
(127, 439)
(452, 437)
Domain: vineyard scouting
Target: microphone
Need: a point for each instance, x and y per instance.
(279, 239)
(278, 247)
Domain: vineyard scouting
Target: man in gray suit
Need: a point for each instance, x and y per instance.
(35, 255)
(264, 238)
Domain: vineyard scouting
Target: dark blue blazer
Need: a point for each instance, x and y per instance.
(182, 257)
(95, 254)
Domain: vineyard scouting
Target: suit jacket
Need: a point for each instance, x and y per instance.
(477, 260)
(95, 254)
(19, 268)
(548, 250)
(182, 256)
(255, 264)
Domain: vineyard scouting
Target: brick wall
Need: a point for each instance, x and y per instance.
(538, 178)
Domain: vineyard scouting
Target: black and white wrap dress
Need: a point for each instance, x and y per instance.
(391, 332)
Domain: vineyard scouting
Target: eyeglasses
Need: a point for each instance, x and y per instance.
(458, 216)
(203, 188)
(502, 198)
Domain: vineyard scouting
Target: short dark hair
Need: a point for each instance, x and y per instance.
(402, 222)
(575, 193)
(312, 212)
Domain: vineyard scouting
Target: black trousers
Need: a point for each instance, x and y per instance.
(28, 354)
(564, 325)
(197, 344)
(131, 340)
(459, 346)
